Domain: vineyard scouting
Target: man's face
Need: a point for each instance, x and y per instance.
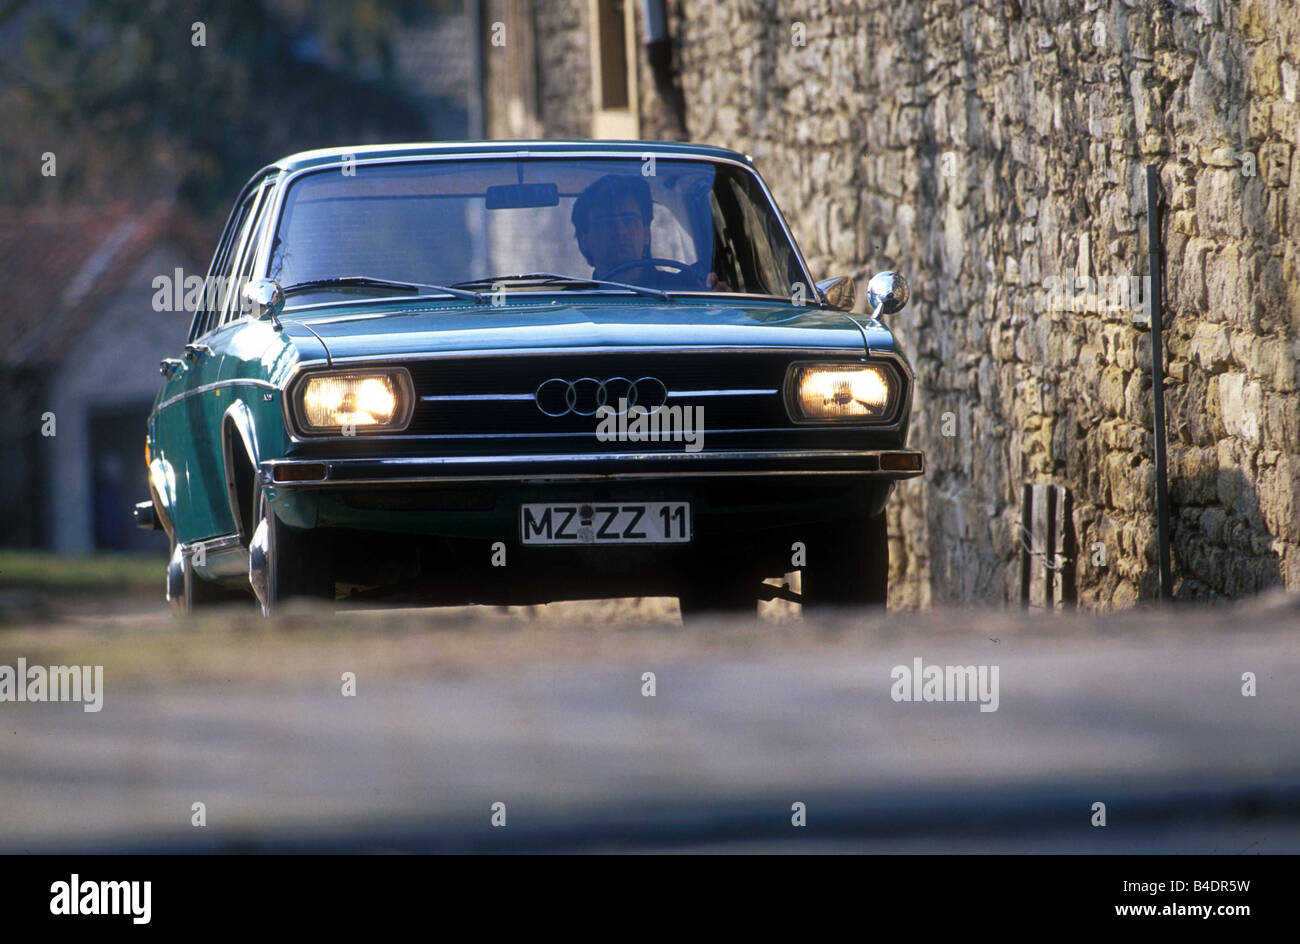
(615, 235)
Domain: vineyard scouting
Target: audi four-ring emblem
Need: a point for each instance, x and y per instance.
(586, 395)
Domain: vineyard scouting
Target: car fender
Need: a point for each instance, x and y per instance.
(162, 489)
(240, 457)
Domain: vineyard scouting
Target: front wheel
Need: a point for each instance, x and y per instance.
(848, 565)
(283, 563)
(187, 592)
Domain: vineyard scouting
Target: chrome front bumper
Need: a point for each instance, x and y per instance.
(595, 467)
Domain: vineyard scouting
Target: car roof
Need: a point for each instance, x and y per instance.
(322, 156)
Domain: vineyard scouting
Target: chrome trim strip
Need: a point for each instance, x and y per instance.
(204, 388)
(398, 462)
(601, 477)
(457, 397)
(722, 393)
(216, 545)
(525, 461)
(740, 454)
(521, 437)
(793, 351)
(419, 437)
(219, 545)
(465, 397)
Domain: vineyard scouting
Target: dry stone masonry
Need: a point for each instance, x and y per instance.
(994, 152)
(987, 148)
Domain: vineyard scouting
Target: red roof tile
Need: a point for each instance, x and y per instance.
(59, 265)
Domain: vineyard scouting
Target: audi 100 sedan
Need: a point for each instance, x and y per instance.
(521, 372)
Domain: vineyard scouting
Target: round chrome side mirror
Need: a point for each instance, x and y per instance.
(887, 292)
(265, 299)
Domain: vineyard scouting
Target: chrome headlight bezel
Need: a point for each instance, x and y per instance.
(888, 416)
(402, 385)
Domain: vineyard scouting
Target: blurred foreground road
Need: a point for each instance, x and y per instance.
(543, 710)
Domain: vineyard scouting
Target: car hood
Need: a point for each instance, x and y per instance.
(361, 331)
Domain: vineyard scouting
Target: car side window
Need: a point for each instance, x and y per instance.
(241, 260)
(262, 231)
(214, 287)
(250, 252)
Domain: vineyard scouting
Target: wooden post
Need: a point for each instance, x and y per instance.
(1064, 555)
(1026, 529)
(1047, 547)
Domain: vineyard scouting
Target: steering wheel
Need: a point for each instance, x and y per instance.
(649, 261)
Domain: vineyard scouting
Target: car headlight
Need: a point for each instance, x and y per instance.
(829, 392)
(355, 401)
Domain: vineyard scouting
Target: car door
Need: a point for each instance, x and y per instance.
(186, 425)
(243, 344)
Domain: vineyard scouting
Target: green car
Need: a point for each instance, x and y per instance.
(520, 372)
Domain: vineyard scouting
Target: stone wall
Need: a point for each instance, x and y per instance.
(536, 69)
(539, 82)
(563, 69)
(994, 153)
(984, 149)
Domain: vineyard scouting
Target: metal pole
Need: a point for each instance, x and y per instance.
(1155, 266)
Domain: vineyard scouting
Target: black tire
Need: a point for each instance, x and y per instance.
(295, 563)
(848, 565)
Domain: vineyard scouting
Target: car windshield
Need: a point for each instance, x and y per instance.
(532, 224)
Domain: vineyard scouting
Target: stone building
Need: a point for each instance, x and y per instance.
(994, 152)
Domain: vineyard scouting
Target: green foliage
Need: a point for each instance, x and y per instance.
(133, 109)
(111, 573)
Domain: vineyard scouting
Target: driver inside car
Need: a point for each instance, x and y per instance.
(611, 220)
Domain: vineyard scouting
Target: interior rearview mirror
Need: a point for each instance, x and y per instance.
(519, 196)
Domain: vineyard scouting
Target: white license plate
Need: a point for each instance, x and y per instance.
(605, 523)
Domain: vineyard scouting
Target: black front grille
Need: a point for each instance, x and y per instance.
(521, 376)
(732, 422)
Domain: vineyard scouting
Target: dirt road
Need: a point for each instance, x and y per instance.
(546, 712)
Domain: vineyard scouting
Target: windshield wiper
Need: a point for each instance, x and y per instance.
(365, 281)
(550, 278)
